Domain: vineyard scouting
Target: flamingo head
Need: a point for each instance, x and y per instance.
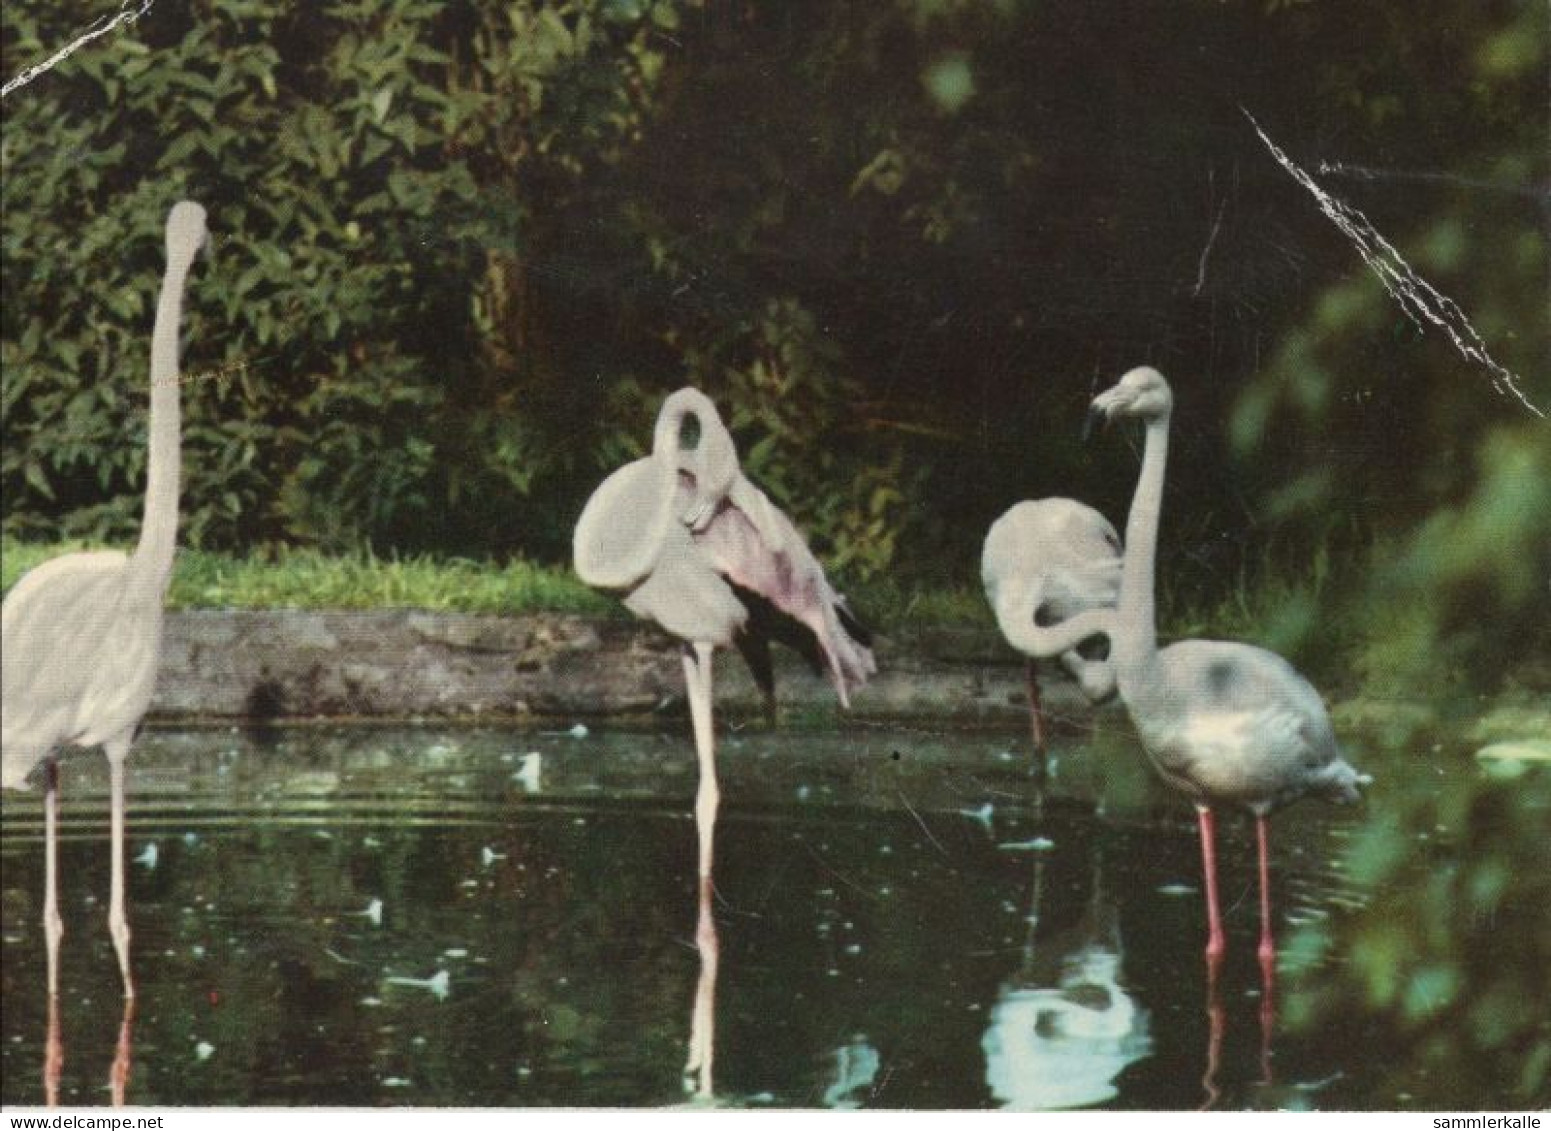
(711, 464)
(1141, 393)
(186, 232)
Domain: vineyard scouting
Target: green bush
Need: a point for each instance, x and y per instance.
(355, 353)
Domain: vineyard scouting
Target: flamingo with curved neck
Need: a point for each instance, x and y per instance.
(696, 547)
(1069, 555)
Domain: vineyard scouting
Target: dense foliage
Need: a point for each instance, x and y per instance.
(463, 249)
(1453, 957)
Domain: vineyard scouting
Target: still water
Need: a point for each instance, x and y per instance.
(900, 918)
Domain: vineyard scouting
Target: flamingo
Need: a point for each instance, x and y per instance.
(1076, 551)
(1222, 722)
(696, 547)
(82, 633)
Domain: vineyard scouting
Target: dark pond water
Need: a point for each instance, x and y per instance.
(901, 918)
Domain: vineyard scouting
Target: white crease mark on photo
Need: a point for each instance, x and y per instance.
(1207, 250)
(1408, 176)
(1418, 298)
(125, 15)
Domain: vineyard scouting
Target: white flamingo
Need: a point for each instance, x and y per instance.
(694, 546)
(1224, 723)
(82, 633)
(1073, 553)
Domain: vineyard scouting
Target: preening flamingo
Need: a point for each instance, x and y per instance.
(693, 545)
(1072, 553)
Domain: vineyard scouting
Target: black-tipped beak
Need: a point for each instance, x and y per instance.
(1095, 417)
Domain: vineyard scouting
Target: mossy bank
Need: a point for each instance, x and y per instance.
(406, 664)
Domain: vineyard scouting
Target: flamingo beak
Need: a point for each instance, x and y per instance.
(701, 512)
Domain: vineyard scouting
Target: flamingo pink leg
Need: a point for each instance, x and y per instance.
(697, 675)
(1267, 944)
(118, 921)
(53, 926)
(1215, 944)
(1036, 708)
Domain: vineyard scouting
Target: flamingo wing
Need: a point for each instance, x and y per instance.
(751, 543)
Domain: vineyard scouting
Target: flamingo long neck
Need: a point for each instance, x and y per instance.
(714, 462)
(1016, 616)
(668, 444)
(151, 565)
(1136, 638)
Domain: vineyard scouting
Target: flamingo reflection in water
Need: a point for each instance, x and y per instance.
(702, 1018)
(1217, 1024)
(1064, 1028)
(54, 1055)
(118, 1075)
(856, 1063)
(856, 1069)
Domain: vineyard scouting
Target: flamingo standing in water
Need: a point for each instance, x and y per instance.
(1224, 723)
(1073, 553)
(82, 633)
(695, 546)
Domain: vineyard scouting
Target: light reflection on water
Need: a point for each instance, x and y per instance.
(506, 917)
